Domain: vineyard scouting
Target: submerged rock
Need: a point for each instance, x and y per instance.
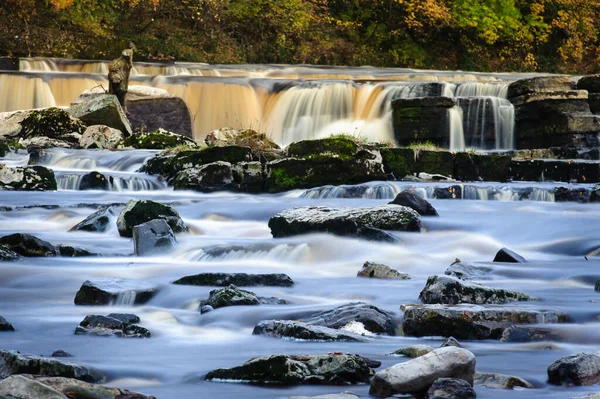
(506, 255)
(158, 139)
(412, 200)
(138, 212)
(103, 109)
(7, 254)
(96, 222)
(5, 325)
(471, 321)
(374, 319)
(153, 237)
(417, 375)
(378, 270)
(529, 334)
(60, 353)
(233, 296)
(105, 291)
(93, 181)
(451, 290)
(299, 369)
(495, 380)
(71, 252)
(237, 279)
(576, 369)
(304, 331)
(467, 271)
(101, 137)
(28, 245)
(413, 351)
(343, 221)
(13, 362)
(29, 178)
(117, 324)
(451, 388)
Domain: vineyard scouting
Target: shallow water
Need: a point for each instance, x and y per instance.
(36, 294)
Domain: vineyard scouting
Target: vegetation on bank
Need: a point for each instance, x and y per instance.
(486, 35)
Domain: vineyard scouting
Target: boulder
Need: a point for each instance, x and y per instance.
(422, 119)
(215, 176)
(28, 245)
(451, 341)
(249, 176)
(153, 238)
(495, 380)
(506, 255)
(451, 290)
(115, 324)
(398, 162)
(303, 331)
(106, 291)
(158, 139)
(28, 178)
(343, 221)
(5, 325)
(334, 369)
(259, 142)
(529, 334)
(103, 109)
(7, 254)
(138, 212)
(539, 84)
(378, 270)
(152, 111)
(468, 271)
(471, 321)
(576, 369)
(71, 252)
(417, 375)
(93, 181)
(412, 200)
(591, 83)
(451, 388)
(233, 296)
(374, 319)
(20, 387)
(237, 279)
(60, 353)
(101, 137)
(13, 362)
(96, 222)
(52, 124)
(413, 351)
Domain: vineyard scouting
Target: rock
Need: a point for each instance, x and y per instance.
(245, 137)
(51, 124)
(374, 319)
(60, 353)
(417, 375)
(28, 245)
(158, 139)
(101, 137)
(413, 351)
(576, 369)
(529, 334)
(506, 255)
(467, 271)
(249, 176)
(102, 110)
(7, 254)
(597, 286)
(303, 331)
(451, 290)
(412, 200)
(13, 362)
(344, 395)
(399, 162)
(120, 325)
(591, 83)
(29, 178)
(543, 84)
(5, 325)
(233, 296)
(471, 321)
(482, 167)
(451, 341)
(20, 387)
(378, 270)
(71, 252)
(451, 388)
(96, 222)
(151, 111)
(93, 181)
(106, 291)
(215, 176)
(138, 212)
(494, 380)
(300, 369)
(237, 279)
(153, 237)
(343, 221)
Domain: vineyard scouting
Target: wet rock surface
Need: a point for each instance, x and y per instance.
(412, 200)
(378, 270)
(576, 369)
(506, 255)
(96, 222)
(451, 388)
(233, 296)
(138, 212)
(105, 291)
(501, 381)
(153, 237)
(5, 325)
(115, 324)
(28, 245)
(413, 351)
(373, 319)
(237, 279)
(304, 331)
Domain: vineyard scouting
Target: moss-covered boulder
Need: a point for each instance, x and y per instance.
(259, 142)
(29, 178)
(142, 211)
(249, 176)
(54, 125)
(157, 140)
(399, 162)
(341, 147)
(215, 176)
(28, 245)
(93, 181)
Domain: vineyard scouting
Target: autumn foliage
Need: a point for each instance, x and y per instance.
(486, 35)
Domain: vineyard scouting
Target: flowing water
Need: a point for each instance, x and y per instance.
(229, 233)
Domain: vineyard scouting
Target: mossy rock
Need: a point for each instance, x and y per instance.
(30, 178)
(157, 140)
(435, 162)
(341, 147)
(398, 161)
(50, 122)
(142, 211)
(9, 146)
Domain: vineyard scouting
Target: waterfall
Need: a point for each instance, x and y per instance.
(457, 135)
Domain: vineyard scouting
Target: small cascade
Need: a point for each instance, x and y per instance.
(87, 160)
(243, 252)
(370, 191)
(126, 298)
(66, 180)
(37, 65)
(457, 135)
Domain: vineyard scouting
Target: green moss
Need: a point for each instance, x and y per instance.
(50, 122)
(342, 147)
(398, 161)
(435, 162)
(157, 140)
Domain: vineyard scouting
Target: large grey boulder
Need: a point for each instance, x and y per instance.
(100, 137)
(153, 237)
(378, 270)
(106, 291)
(451, 290)
(331, 369)
(471, 321)
(451, 388)
(115, 324)
(237, 279)
(28, 178)
(96, 222)
(152, 110)
(417, 375)
(13, 362)
(103, 109)
(138, 212)
(303, 331)
(412, 200)
(343, 221)
(576, 369)
(233, 296)
(374, 319)
(5, 325)
(28, 245)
